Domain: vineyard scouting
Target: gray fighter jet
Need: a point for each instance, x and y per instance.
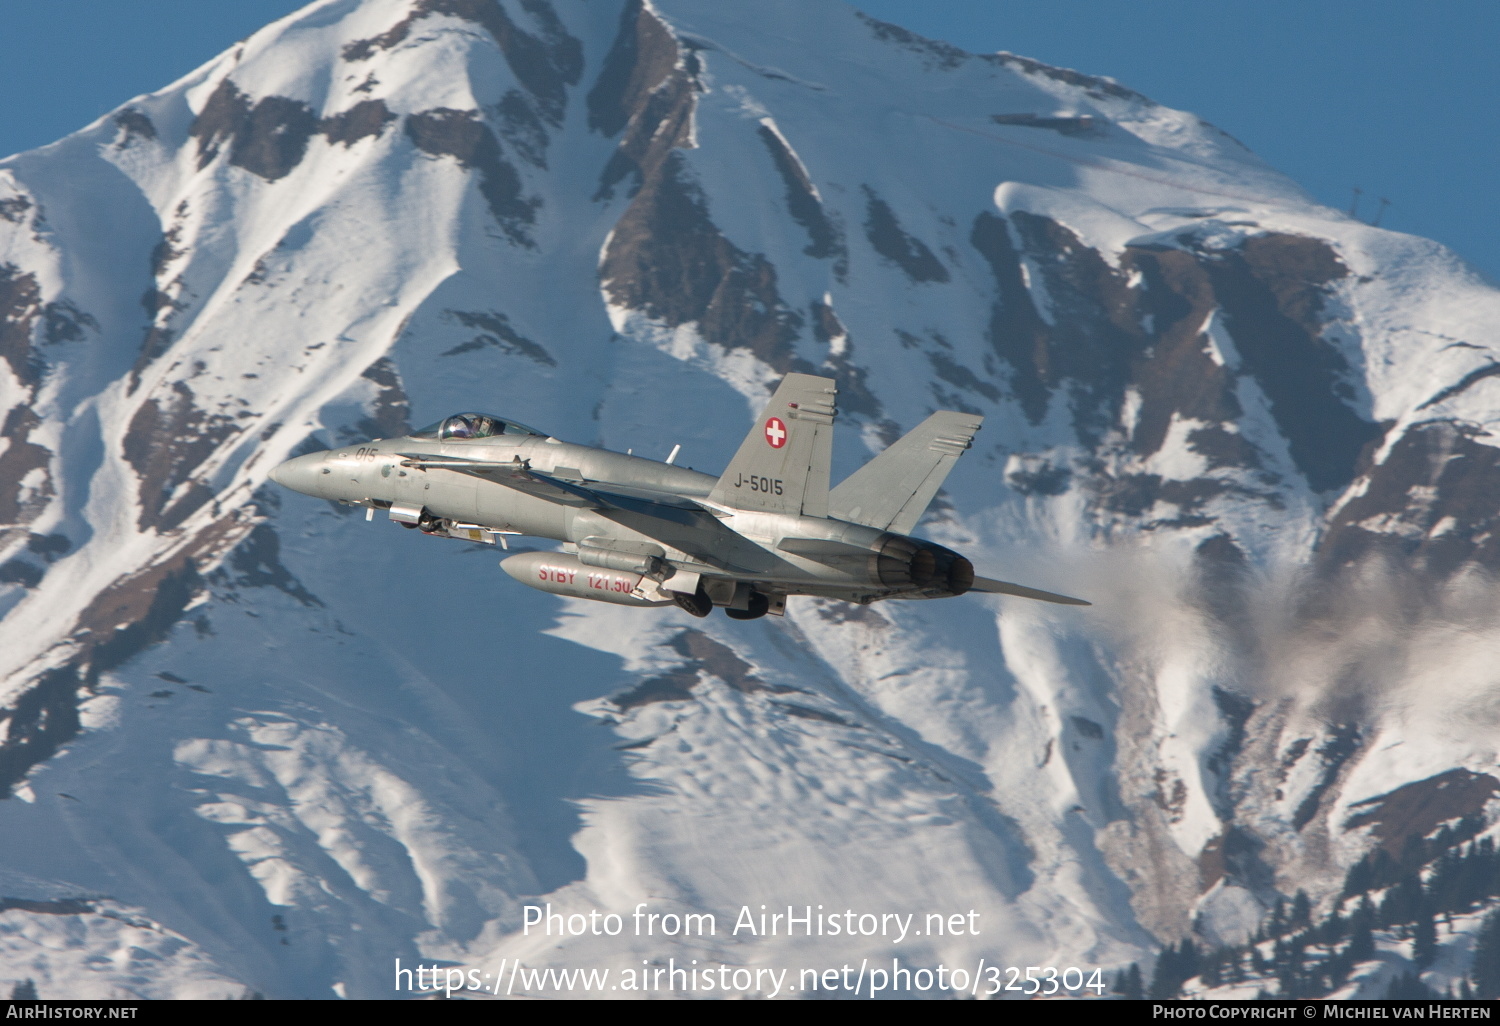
(638, 532)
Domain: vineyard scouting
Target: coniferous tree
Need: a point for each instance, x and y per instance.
(1402, 902)
(1358, 879)
(1235, 967)
(1440, 886)
(1281, 954)
(1424, 937)
(1277, 926)
(1164, 975)
(1362, 932)
(1335, 928)
(1133, 989)
(1384, 869)
(1336, 970)
(1189, 959)
(1407, 987)
(1486, 970)
(24, 991)
(1301, 916)
(1212, 971)
(1289, 981)
(1413, 853)
(1481, 879)
(1174, 967)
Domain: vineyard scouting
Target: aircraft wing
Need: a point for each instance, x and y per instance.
(513, 475)
(985, 584)
(672, 520)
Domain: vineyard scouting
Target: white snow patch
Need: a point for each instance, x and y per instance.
(1097, 225)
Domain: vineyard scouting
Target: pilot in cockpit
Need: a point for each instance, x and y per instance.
(473, 425)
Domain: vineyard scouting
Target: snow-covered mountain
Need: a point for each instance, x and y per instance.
(258, 745)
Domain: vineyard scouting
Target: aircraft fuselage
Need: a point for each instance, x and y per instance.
(640, 532)
(744, 544)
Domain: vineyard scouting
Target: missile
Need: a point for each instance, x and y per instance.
(562, 574)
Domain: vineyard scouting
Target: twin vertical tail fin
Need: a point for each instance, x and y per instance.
(893, 490)
(784, 462)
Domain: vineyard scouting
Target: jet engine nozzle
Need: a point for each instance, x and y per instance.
(958, 575)
(900, 561)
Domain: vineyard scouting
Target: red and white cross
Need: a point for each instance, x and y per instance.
(775, 433)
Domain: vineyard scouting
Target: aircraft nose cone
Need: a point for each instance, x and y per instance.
(300, 474)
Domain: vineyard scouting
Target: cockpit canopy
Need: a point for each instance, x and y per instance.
(474, 425)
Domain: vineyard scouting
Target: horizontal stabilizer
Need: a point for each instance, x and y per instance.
(984, 584)
(893, 490)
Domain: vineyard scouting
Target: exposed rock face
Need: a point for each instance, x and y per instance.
(1143, 330)
(645, 91)
(668, 260)
(20, 308)
(134, 125)
(390, 411)
(666, 257)
(22, 495)
(644, 54)
(545, 66)
(701, 655)
(1416, 810)
(168, 439)
(267, 138)
(605, 217)
(461, 135)
(495, 330)
(135, 612)
(365, 119)
(1434, 501)
(890, 241)
(824, 239)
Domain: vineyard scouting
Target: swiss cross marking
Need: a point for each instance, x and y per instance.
(775, 433)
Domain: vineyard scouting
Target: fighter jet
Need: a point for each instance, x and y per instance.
(639, 532)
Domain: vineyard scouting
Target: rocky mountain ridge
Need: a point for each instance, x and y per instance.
(1257, 432)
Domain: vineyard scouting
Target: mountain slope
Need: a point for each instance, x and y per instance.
(298, 746)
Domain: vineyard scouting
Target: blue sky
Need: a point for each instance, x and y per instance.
(1400, 98)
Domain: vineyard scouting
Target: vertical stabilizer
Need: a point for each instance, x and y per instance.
(892, 491)
(784, 462)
